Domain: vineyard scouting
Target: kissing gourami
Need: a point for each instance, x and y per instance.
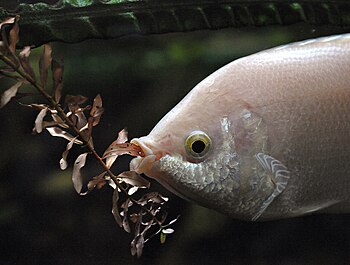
(265, 137)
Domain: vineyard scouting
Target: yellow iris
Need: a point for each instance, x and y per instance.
(197, 144)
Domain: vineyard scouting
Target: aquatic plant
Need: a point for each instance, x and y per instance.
(73, 119)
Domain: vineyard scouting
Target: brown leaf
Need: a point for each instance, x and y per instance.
(59, 121)
(101, 183)
(122, 136)
(97, 181)
(81, 122)
(115, 210)
(174, 220)
(39, 120)
(112, 184)
(36, 106)
(10, 93)
(134, 179)
(160, 199)
(9, 20)
(77, 178)
(55, 131)
(4, 43)
(132, 190)
(168, 231)
(44, 64)
(125, 223)
(97, 116)
(96, 105)
(57, 76)
(134, 217)
(137, 245)
(63, 161)
(152, 197)
(126, 204)
(96, 110)
(24, 60)
(83, 127)
(138, 223)
(74, 102)
(89, 127)
(120, 147)
(48, 124)
(14, 35)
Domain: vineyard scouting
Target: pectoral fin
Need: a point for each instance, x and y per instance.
(279, 175)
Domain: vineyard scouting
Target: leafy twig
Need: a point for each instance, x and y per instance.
(151, 205)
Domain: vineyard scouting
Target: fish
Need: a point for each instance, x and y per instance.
(265, 137)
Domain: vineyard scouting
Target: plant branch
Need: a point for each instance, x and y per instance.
(61, 114)
(71, 125)
(18, 67)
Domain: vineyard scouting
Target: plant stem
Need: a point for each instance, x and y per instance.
(62, 115)
(71, 125)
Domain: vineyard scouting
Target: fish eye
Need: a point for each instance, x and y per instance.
(197, 144)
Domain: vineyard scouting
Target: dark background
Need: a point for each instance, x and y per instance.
(43, 220)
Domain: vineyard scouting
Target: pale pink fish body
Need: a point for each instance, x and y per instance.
(276, 132)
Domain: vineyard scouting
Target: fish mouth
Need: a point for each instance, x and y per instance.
(142, 143)
(143, 164)
(152, 151)
(146, 164)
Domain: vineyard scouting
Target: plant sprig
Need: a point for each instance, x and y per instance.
(146, 215)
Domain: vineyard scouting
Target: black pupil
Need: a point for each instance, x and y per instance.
(198, 146)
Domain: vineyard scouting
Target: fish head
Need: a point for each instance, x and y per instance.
(187, 160)
(193, 150)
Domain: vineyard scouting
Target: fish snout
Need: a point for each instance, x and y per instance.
(144, 145)
(144, 164)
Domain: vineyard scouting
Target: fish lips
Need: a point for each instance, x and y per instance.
(144, 164)
(147, 164)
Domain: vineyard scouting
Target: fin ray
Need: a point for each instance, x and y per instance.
(279, 176)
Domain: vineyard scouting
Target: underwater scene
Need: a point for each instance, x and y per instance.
(252, 167)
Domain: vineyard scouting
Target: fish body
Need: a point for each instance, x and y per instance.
(265, 137)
